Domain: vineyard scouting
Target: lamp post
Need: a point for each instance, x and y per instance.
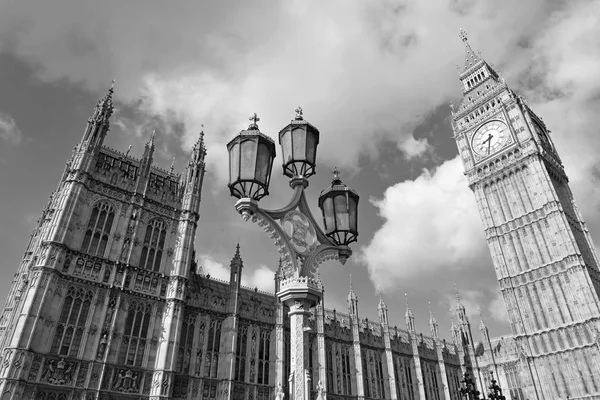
(469, 390)
(303, 246)
(495, 390)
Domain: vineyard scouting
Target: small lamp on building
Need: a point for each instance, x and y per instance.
(469, 390)
(495, 390)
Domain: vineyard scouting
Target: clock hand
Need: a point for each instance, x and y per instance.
(488, 141)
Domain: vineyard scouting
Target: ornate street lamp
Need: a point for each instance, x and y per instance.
(301, 242)
(251, 155)
(495, 390)
(469, 390)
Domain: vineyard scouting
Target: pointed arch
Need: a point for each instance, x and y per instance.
(99, 227)
(153, 245)
(72, 322)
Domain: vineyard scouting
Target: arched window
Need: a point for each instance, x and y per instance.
(135, 336)
(154, 242)
(72, 322)
(264, 357)
(240, 354)
(186, 342)
(98, 229)
(212, 349)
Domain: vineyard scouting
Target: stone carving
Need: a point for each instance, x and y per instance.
(320, 391)
(127, 381)
(82, 374)
(95, 376)
(279, 392)
(147, 383)
(102, 346)
(58, 373)
(35, 368)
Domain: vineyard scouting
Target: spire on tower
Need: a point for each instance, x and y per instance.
(98, 124)
(104, 107)
(409, 317)
(481, 323)
(471, 58)
(461, 312)
(351, 295)
(408, 312)
(432, 319)
(381, 305)
(199, 149)
(433, 325)
(237, 257)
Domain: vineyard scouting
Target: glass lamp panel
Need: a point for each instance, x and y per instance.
(234, 163)
(353, 209)
(263, 163)
(341, 212)
(299, 143)
(328, 215)
(286, 146)
(248, 159)
(311, 147)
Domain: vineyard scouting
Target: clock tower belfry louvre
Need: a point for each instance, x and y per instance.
(542, 252)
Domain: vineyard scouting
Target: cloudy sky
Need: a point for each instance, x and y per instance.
(375, 77)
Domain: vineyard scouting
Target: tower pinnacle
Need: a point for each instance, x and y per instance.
(471, 58)
(409, 317)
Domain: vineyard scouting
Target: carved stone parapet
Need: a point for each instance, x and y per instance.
(300, 283)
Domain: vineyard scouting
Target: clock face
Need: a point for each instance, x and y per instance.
(490, 138)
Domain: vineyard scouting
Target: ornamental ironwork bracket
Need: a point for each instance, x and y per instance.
(301, 242)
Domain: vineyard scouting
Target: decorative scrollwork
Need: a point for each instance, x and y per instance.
(288, 261)
(300, 231)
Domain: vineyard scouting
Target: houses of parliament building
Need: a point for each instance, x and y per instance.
(86, 314)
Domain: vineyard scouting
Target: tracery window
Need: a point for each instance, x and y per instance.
(240, 354)
(409, 380)
(329, 368)
(135, 335)
(366, 374)
(212, 349)
(71, 324)
(379, 376)
(346, 378)
(98, 229)
(263, 357)
(153, 245)
(514, 385)
(186, 343)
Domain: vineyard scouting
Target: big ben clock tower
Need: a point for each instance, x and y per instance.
(542, 252)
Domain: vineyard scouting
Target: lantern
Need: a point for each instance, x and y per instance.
(339, 205)
(299, 142)
(251, 155)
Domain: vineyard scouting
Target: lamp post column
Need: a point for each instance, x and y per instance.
(299, 294)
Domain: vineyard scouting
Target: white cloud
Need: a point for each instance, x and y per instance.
(432, 224)
(361, 71)
(414, 148)
(261, 277)
(429, 224)
(9, 131)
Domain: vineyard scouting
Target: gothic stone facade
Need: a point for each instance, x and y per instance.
(542, 252)
(108, 304)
